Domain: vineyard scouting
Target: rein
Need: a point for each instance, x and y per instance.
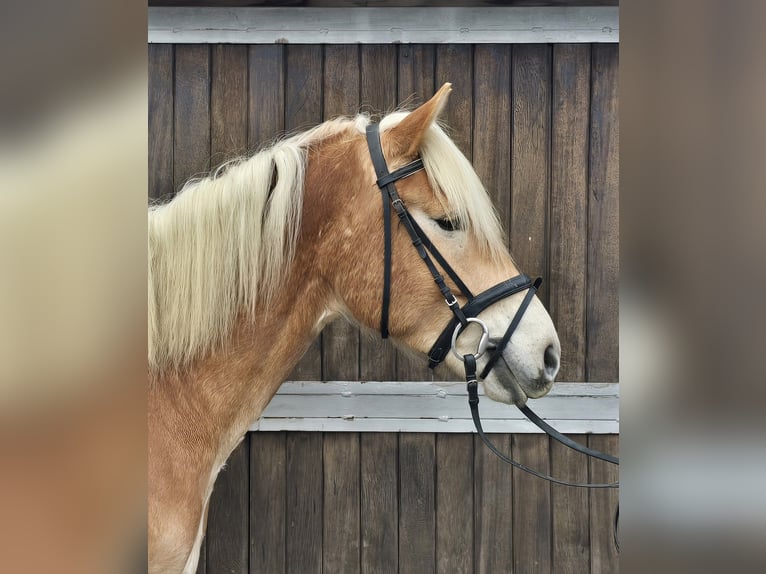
(462, 316)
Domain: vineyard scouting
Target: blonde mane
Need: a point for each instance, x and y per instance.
(223, 244)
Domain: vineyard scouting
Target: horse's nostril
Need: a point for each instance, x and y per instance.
(551, 360)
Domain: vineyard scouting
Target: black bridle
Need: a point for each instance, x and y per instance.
(462, 316)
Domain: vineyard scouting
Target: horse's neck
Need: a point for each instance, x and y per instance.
(225, 392)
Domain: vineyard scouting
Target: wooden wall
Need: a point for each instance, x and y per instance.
(539, 122)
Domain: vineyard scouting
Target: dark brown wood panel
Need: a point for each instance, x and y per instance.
(341, 503)
(493, 508)
(492, 123)
(569, 203)
(304, 508)
(602, 353)
(603, 505)
(454, 504)
(571, 524)
(268, 512)
(229, 516)
(530, 173)
(380, 503)
(531, 506)
(160, 120)
(191, 141)
(454, 64)
(266, 89)
(417, 512)
(228, 103)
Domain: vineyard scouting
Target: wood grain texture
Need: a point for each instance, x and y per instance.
(303, 109)
(493, 507)
(377, 357)
(571, 524)
(191, 143)
(228, 103)
(415, 86)
(304, 508)
(380, 503)
(229, 516)
(454, 63)
(569, 203)
(531, 506)
(603, 505)
(202, 563)
(417, 467)
(340, 339)
(160, 120)
(268, 513)
(602, 356)
(266, 94)
(531, 154)
(340, 547)
(454, 504)
(492, 124)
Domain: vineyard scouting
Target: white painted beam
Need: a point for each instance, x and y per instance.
(433, 407)
(444, 25)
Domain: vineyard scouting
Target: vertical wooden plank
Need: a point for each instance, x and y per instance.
(228, 530)
(266, 102)
(603, 504)
(492, 124)
(454, 63)
(304, 503)
(571, 520)
(340, 340)
(569, 203)
(191, 144)
(341, 537)
(531, 506)
(416, 73)
(202, 563)
(531, 75)
(160, 120)
(603, 213)
(228, 103)
(416, 503)
(454, 503)
(493, 495)
(415, 86)
(378, 68)
(267, 502)
(380, 503)
(303, 109)
(228, 517)
(377, 357)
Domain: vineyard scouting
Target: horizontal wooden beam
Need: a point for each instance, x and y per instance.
(505, 25)
(433, 407)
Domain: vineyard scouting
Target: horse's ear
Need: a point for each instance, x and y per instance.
(404, 138)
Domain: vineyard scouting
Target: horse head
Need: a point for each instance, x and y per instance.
(449, 204)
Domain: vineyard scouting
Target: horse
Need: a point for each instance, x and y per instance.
(247, 265)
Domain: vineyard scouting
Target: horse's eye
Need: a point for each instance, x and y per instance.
(447, 224)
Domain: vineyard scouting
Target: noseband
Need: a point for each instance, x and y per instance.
(461, 316)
